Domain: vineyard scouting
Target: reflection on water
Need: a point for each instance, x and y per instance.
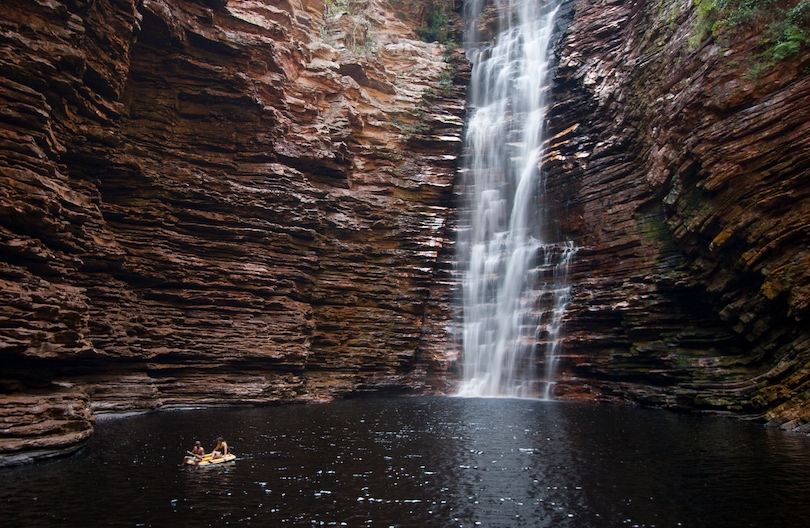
(434, 462)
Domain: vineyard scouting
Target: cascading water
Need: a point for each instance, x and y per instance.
(514, 284)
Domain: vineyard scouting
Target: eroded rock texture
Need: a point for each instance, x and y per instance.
(682, 172)
(213, 201)
(216, 201)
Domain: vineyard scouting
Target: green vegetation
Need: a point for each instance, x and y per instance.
(411, 129)
(446, 80)
(437, 22)
(653, 229)
(783, 27)
(788, 42)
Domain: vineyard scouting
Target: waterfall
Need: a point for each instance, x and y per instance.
(514, 283)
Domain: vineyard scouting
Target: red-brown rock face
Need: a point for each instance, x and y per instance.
(684, 177)
(213, 202)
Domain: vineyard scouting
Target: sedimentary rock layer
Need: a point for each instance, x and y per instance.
(216, 202)
(211, 201)
(679, 164)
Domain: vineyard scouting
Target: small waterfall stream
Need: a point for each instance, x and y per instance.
(515, 283)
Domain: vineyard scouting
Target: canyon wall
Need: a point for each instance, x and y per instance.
(210, 202)
(679, 165)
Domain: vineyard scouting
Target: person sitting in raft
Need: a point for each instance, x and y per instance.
(197, 452)
(221, 449)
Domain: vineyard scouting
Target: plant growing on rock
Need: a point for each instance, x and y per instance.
(782, 30)
(437, 22)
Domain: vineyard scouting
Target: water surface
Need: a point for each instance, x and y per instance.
(432, 462)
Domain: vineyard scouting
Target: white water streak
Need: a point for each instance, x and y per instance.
(510, 272)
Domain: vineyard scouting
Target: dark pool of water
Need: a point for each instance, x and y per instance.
(431, 462)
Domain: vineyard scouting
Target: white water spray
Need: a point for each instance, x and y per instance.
(514, 284)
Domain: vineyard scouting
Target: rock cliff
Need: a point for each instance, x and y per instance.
(219, 201)
(208, 202)
(679, 163)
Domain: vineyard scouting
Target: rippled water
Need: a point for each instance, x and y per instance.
(433, 462)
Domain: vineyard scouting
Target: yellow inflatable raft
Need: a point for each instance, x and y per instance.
(207, 461)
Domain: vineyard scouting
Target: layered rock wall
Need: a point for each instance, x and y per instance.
(680, 167)
(212, 201)
(209, 202)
